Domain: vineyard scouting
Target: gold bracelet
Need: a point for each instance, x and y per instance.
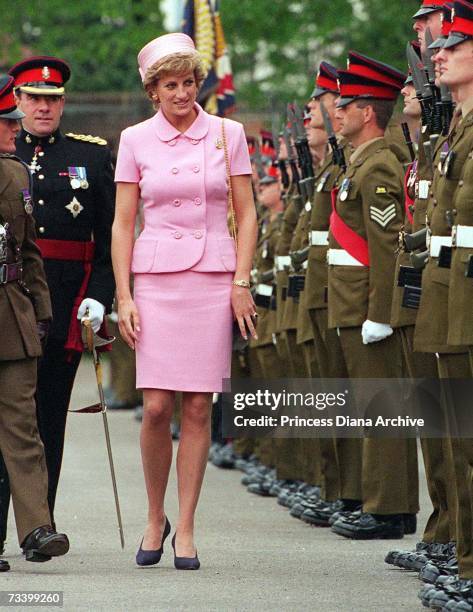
(241, 283)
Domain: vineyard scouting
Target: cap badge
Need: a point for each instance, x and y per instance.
(45, 73)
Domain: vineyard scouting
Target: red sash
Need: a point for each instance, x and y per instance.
(409, 203)
(73, 250)
(347, 238)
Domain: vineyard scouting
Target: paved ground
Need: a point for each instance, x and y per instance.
(254, 555)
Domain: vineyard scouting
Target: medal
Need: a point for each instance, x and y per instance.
(74, 177)
(25, 194)
(344, 189)
(308, 206)
(75, 207)
(322, 182)
(82, 174)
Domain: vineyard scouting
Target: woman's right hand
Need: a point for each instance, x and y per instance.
(128, 321)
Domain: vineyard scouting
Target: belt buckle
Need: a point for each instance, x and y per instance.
(3, 274)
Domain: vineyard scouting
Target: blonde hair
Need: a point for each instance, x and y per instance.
(176, 64)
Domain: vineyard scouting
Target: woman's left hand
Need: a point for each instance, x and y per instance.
(244, 310)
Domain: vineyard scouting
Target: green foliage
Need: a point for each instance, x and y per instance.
(276, 45)
(99, 39)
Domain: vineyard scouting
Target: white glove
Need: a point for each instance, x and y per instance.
(95, 314)
(374, 332)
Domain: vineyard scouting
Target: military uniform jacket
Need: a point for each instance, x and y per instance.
(64, 213)
(372, 207)
(460, 296)
(450, 163)
(264, 261)
(289, 222)
(316, 284)
(18, 310)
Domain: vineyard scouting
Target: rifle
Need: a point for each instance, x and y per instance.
(299, 257)
(337, 151)
(259, 161)
(437, 111)
(306, 162)
(408, 139)
(295, 151)
(419, 79)
(415, 241)
(281, 162)
(292, 161)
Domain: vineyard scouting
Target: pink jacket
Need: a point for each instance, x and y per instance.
(182, 181)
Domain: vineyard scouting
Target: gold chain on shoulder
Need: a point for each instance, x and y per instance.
(229, 183)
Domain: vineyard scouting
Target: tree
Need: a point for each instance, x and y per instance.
(276, 45)
(99, 39)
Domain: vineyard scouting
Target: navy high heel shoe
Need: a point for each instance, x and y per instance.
(151, 557)
(184, 563)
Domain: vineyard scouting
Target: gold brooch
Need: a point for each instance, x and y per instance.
(219, 143)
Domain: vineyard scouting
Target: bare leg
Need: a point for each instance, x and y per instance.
(156, 455)
(191, 462)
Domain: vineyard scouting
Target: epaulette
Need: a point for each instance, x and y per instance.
(87, 138)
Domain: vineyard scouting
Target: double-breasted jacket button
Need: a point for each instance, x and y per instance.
(197, 201)
(41, 230)
(41, 202)
(194, 142)
(198, 234)
(175, 170)
(177, 235)
(40, 177)
(172, 143)
(196, 168)
(177, 202)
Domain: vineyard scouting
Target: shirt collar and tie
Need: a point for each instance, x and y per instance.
(196, 132)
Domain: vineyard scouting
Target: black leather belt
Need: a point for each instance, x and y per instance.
(10, 272)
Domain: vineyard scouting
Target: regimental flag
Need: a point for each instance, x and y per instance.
(202, 23)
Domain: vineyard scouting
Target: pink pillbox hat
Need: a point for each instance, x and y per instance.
(161, 47)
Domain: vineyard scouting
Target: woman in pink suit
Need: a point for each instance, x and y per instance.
(189, 281)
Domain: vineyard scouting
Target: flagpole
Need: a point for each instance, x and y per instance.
(172, 10)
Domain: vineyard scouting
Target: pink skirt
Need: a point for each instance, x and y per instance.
(185, 341)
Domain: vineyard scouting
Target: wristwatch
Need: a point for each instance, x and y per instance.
(241, 283)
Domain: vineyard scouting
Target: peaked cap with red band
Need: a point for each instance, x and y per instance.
(8, 109)
(326, 80)
(271, 175)
(462, 24)
(368, 78)
(427, 7)
(267, 145)
(41, 75)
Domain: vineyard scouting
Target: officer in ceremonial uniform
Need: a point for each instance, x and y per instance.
(73, 207)
(25, 310)
(367, 216)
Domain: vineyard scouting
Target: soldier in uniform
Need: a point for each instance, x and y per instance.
(449, 288)
(341, 459)
(440, 528)
(365, 223)
(25, 315)
(73, 207)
